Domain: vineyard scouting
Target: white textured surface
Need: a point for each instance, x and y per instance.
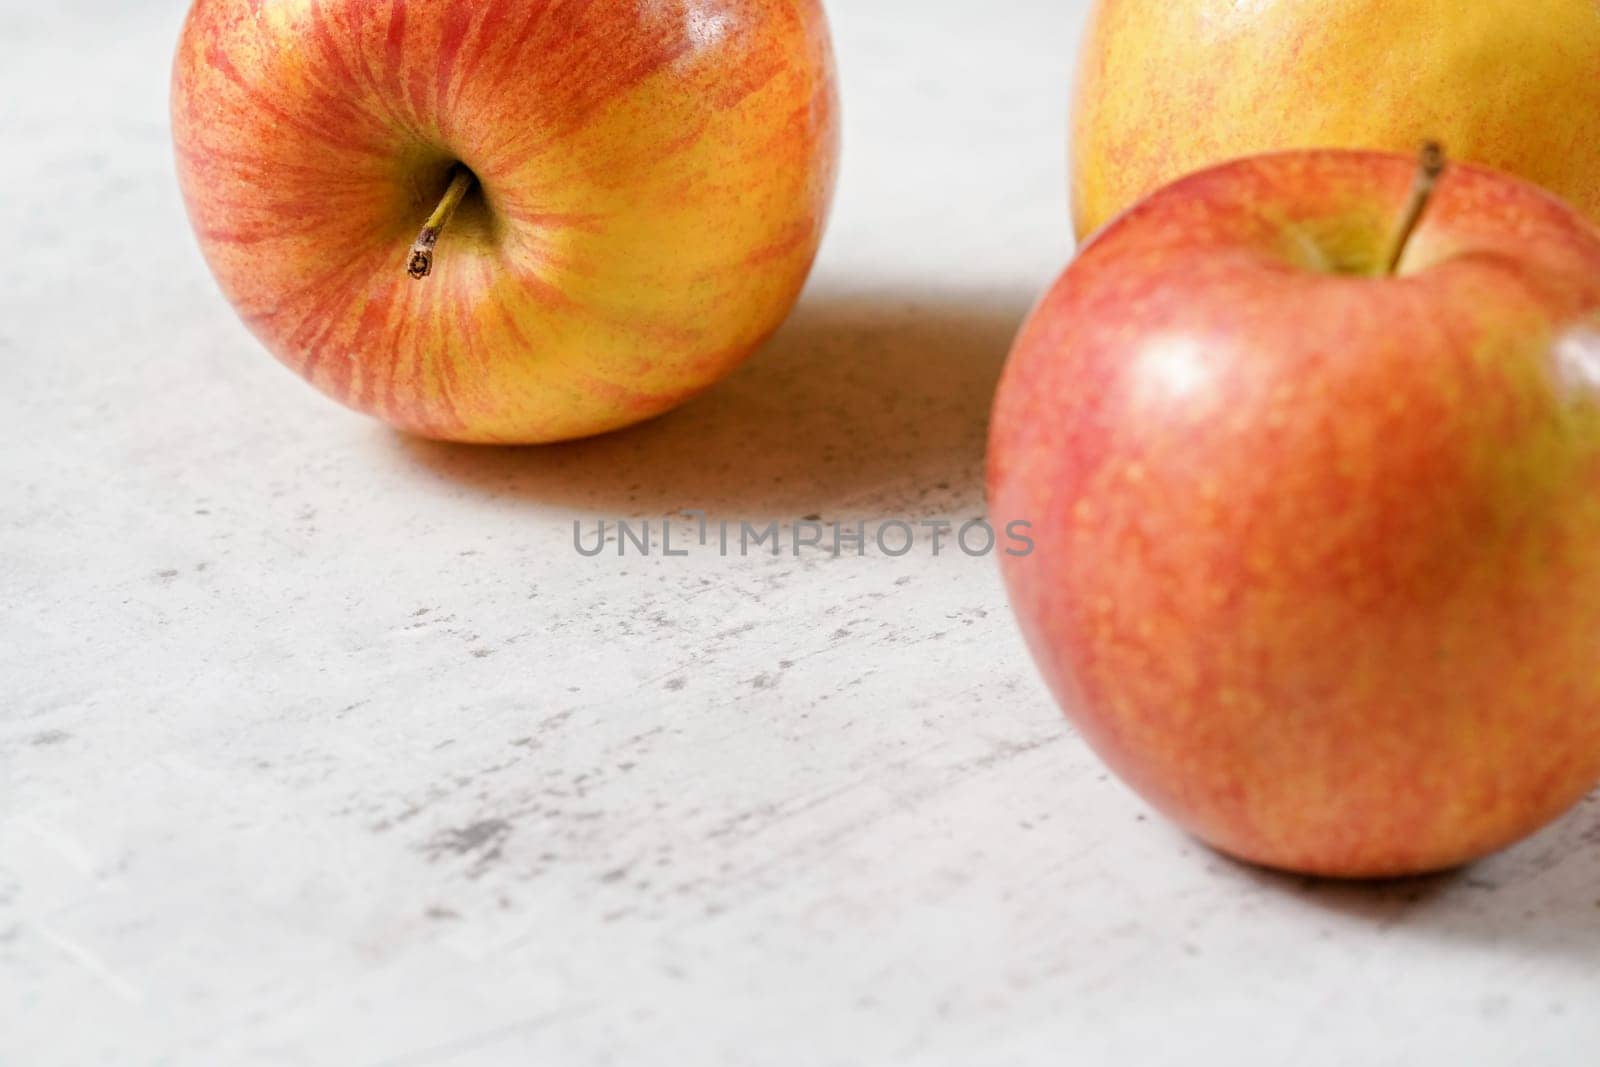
(319, 746)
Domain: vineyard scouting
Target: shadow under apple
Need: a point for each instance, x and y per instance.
(1540, 897)
(864, 404)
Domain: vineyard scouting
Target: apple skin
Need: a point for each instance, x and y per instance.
(1168, 88)
(653, 181)
(1318, 549)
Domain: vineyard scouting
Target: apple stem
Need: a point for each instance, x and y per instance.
(1430, 167)
(421, 263)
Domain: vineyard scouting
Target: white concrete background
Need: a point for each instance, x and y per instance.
(321, 746)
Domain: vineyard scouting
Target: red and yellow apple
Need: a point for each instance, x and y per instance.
(646, 184)
(1317, 563)
(1169, 87)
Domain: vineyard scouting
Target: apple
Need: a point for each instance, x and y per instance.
(1168, 88)
(617, 202)
(1313, 469)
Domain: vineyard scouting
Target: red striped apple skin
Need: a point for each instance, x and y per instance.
(653, 179)
(1318, 549)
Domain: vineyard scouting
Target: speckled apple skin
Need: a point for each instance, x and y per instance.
(655, 178)
(1165, 88)
(1318, 553)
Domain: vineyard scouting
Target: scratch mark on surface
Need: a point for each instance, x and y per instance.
(92, 963)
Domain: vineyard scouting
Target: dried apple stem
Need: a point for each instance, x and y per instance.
(421, 262)
(1430, 167)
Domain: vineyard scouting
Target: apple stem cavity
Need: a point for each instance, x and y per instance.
(421, 263)
(1430, 168)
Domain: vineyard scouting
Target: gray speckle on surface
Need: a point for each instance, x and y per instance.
(480, 837)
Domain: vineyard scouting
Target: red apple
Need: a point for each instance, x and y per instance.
(1318, 542)
(641, 184)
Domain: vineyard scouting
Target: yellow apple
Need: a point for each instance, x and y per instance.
(1166, 87)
